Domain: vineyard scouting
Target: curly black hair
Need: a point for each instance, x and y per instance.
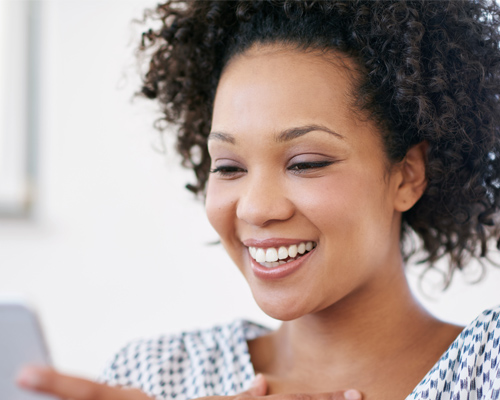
(431, 73)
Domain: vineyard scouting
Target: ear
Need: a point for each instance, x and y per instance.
(412, 182)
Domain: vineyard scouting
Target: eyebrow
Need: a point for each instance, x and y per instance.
(293, 133)
(283, 136)
(222, 136)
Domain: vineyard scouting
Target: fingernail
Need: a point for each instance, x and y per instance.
(29, 377)
(352, 394)
(257, 380)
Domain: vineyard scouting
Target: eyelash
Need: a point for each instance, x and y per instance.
(301, 167)
(226, 170)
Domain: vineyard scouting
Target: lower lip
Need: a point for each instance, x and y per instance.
(280, 271)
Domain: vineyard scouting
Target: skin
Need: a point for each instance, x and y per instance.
(350, 319)
(49, 381)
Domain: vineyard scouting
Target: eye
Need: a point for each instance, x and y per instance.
(227, 171)
(300, 167)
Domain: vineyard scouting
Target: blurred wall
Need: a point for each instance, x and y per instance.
(118, 248)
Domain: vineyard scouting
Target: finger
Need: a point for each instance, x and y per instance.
(350, 394)
(259, 387)
(47, 380)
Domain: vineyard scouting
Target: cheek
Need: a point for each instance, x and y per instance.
(220, 206)
(220, 209)
(348, 204)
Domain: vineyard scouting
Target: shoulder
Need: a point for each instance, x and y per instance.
(479, 345)
(470, 366)
(188, 364)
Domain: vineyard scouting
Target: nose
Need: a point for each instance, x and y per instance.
(264, 200)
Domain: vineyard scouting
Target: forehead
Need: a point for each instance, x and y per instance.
(272, 87)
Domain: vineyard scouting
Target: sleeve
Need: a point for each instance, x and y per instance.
(122, 368)
(148, 365)
(490, 353)
(110, 374)
(188, 365)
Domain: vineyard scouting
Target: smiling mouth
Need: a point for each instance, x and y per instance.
(274, 256)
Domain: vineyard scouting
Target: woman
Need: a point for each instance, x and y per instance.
(322, 135)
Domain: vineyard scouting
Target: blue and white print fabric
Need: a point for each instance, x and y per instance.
(194, 364)
(216, 361)
(470, 368)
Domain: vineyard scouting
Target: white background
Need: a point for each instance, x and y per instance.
(118, 248)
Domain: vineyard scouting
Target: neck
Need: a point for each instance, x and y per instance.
(335, 347)
(362, 327)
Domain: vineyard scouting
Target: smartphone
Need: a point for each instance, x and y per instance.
(21, 343)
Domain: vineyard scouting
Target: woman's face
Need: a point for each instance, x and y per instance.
(295, 170)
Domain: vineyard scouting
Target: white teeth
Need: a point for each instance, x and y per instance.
(260, 255)
(271, 255)
(270, 264)
(282, 253)
(252, 251)
(301, 248)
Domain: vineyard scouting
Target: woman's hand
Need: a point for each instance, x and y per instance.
(49, 381)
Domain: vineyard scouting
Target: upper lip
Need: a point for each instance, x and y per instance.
(273, 242)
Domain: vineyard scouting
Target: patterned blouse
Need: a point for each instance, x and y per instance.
(216, 361)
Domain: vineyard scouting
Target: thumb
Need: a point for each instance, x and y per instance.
(259, 387)
(352, 394)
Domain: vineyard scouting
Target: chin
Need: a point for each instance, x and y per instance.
(280, 309)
